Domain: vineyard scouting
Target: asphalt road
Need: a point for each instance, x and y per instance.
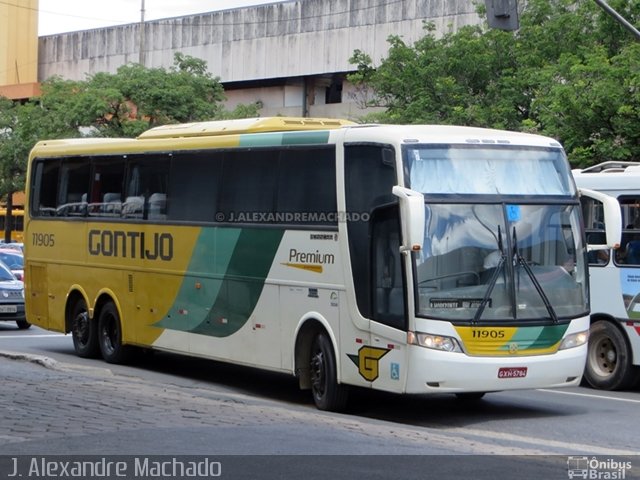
(58, 404)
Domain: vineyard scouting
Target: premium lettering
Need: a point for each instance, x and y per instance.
(311, 257)
(108, 243)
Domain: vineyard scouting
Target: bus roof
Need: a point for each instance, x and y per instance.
(246, 125)
(609, 176)
(447, 134)
(234, 133)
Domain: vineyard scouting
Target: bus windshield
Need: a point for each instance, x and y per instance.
(474, 169)
(495, 262)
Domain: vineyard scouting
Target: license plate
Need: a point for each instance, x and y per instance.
(8, 309)
(512, 372)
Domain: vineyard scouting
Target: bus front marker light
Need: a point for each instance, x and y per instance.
(574, 340)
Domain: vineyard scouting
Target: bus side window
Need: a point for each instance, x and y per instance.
(74, 182)
(147, 188)
(632, 253)
(44, 188)
(593, 214)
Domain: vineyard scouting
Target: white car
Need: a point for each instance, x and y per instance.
(13, 259)
(12, 298)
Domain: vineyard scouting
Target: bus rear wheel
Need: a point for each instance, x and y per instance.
(609, 359)
(327, 393)
(84, 332)
(110, 335)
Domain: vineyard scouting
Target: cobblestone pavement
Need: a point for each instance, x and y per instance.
(51, 408)
(57, 408)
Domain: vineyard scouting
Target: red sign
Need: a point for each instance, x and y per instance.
(512, 372)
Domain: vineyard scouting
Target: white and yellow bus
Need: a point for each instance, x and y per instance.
(410, 259)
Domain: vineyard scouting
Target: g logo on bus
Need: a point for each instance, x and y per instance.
(513, 348)
(367, 361)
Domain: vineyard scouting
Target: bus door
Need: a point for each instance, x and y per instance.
(389, 302)
(373, 227)
(39, 296)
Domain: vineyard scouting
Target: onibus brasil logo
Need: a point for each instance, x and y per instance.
(594, 468)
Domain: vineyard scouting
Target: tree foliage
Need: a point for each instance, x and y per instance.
(570, 72)
(123, 104)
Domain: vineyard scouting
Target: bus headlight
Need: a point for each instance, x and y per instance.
(574, 340)
(435, 342)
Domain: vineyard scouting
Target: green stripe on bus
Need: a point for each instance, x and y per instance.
(208, 265)
(529, 338)
(243, 282)
(230, 266)
(284, 138)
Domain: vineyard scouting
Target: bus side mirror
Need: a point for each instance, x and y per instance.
(612, 219)
(412, 217)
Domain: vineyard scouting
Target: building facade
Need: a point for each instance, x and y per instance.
(292, 57)
(19, 49)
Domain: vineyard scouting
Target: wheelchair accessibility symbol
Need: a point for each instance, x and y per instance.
(395, 371)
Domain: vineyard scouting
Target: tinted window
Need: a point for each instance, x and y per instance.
(307, 186)
(106, 187)
(287, 185)
(147, 188)
(369, 180)
(248, 189)
(629, 251)
(44, 188)
(195, 186)
(73, 188)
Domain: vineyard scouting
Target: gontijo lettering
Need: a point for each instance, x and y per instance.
(123, 244)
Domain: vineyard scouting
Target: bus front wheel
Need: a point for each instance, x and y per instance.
(327, 393)
(608, 359)
(84, 332)
(110, 335)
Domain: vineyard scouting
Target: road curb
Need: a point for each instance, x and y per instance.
(49, 362)
(38, 359)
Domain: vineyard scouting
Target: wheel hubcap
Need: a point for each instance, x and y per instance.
(109, 335)
(81, 327)
(317, 374)
(605, 357)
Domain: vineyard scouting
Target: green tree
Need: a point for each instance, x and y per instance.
(123, 104)
(18, 133)
(137, 98)
(570, 72)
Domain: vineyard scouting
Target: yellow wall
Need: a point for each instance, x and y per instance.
(18, 42)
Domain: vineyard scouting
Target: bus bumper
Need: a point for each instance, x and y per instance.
(435, 371)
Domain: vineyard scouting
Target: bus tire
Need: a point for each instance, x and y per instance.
(22, 324)
(327, 393)
(83, 331)
(609, 358)
(110, 335)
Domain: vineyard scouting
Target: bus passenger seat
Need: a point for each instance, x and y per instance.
(111, 203)
(133, 206)
(158, 206)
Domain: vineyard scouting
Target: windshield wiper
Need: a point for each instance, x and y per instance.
(521, 261)
(492, 281)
